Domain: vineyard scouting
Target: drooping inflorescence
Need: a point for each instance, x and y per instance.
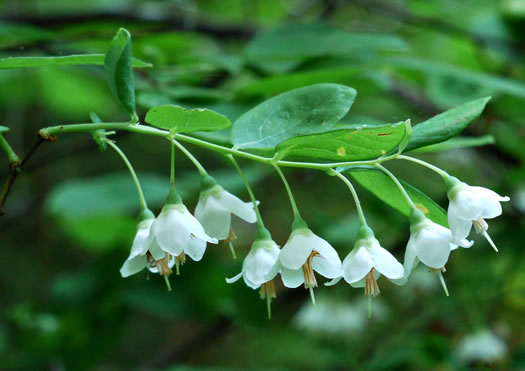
(299, 129)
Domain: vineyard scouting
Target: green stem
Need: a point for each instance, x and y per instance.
(172, 165)
(250, 192)
(296, 213)
(399, 185)
(198, 165)
(142, 200)
(147, 130)
(441, 172)
(11, 155)
(354, 195)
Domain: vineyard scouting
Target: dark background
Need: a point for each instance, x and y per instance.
(70, 219)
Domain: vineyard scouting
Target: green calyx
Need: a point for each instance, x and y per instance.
(173, 197)
(207, 183)
(145, 215)
(299, 223)
(365, 232)
(452, 185)
(416, 217)
(262, 234)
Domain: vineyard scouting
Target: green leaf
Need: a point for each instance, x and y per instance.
(273, 85)
(458, 142)
(344, 145)
(313, 40)
(181, 120)
(3, 129)
(494, 83)
(308, 110)
(386, 190)
(119, 72)
(446, 125)
(81, 59)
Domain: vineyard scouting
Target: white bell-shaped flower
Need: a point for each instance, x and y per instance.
(258, 263)
(429, 243)
(304, 253)
(367, 260)
(178, 233)
(215, 208)
(471, 206)
(144, 255)
(258, 267)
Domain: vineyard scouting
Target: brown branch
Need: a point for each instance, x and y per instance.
(15, 170)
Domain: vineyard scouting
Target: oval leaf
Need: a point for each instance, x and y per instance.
(308, 110)
(3, 129)
(312, 40)
(446, 125)
(119, 71)
(386, 190)
(180, 120)
(79, 59)
(345, 145)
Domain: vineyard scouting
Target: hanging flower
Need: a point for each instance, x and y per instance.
(215, 208)
(257, 264)
(178, 233)
(147, 255)
(366, 262)
(471, 206)
(303, 254)
(429, 243)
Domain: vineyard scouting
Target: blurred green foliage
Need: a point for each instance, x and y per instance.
(70, 219)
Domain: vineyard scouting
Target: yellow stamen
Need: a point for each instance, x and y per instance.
(308, 271)
(371, 287)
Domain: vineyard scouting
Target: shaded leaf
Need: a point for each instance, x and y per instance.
(119, 72)
(3, 129)
(458, 142)
(446, 125)
(308, 110)
(312, 40)
(80, 59)
(386, 190)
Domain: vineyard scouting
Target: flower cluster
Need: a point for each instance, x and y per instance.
(164, 241)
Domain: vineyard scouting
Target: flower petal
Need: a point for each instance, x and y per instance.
(326, 250)
(195, 248)
(333, 282)
(233, 204)
(259, 262)
(292, 278)
(432, 244)
(156, 251)
(234, 278)
(324, 268)
(139, 246)
(460, 228)
(133, 265)
(297, 249)
(274, 271)
(385, 263)
(214, 218)
(357, 264)
(193, 226)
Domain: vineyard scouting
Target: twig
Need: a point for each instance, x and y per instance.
(15, 170)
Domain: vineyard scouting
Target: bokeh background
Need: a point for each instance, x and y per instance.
(70, 220)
